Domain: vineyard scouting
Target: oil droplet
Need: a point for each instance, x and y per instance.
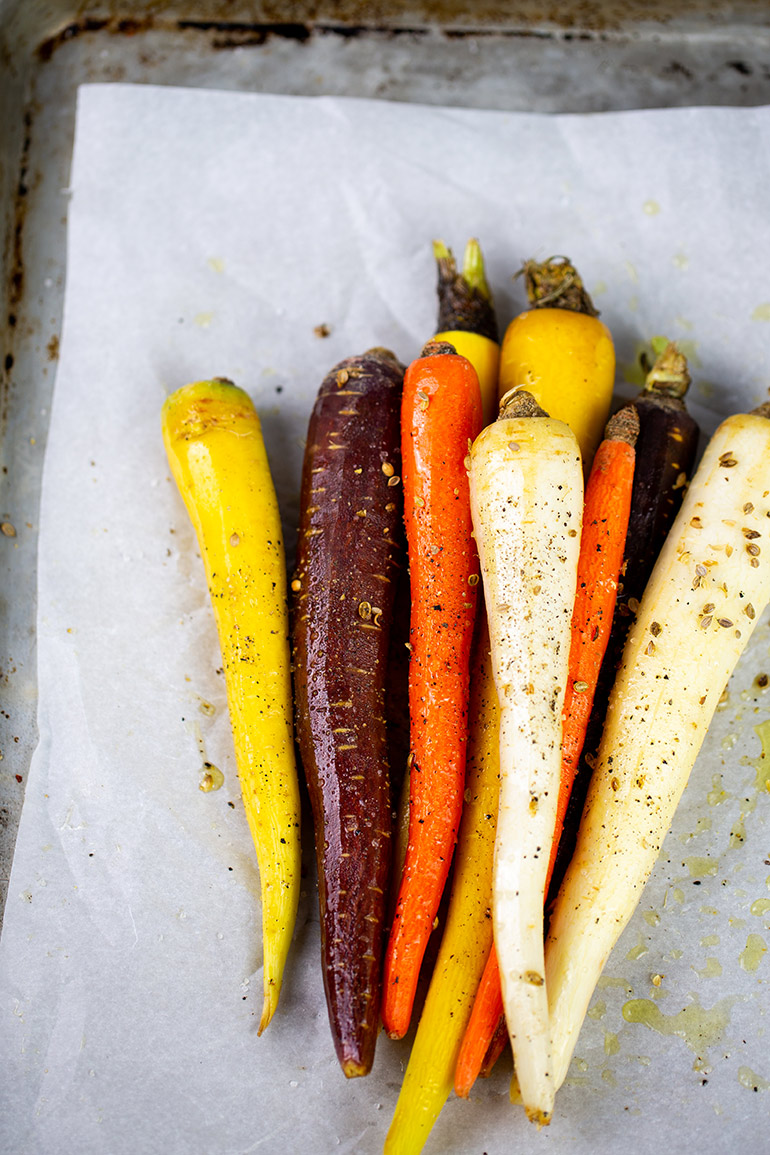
(207, 708)
(676, 955)
(716, 795)
(753, 1082)
(761, 906)
(680, 260)
(651, 208)
(729, 741)
(677, 894)
(711, 970)
(581, 1064)
(637, 951)
(762, 312)
(651, 917)
(598, 288)
(606, 982)
(598, 1010)
(216, 264)
(762, 763)
(611, 1043)
(710, 940)
(608, 1077)
(203, 320)
(751, 956)
(698, 1027)
(683, 323)
(211, 778)
(700, 866)
(737, 834)
(631, 270)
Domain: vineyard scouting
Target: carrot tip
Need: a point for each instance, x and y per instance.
(538, 1117)
(268, 1008)
(352, 1069)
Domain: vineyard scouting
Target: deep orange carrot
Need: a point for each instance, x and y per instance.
(441, 416)
(605, 522)
(482, 1028)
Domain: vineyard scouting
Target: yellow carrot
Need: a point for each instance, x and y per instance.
(561, 353)
(214, 444)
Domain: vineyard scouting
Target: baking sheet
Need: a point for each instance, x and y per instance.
(211, 233)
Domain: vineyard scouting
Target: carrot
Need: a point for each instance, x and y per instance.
(605, 519)
(665, 453)
(483, 1025)
(466, 320)
(213, 438)
(349, 554)
(466, 317)
(441, 415)
(526, 484)
(702, 602)
(561, 353)
(467, 938)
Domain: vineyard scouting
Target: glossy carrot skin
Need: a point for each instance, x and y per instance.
(349, 554)
(441, 415)
(602, 546)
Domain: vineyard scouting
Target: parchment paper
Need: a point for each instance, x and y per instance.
(209, 234)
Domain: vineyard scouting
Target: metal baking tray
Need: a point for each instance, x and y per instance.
(515, 56)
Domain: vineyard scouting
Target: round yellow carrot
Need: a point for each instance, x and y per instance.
(561, 353)
(214, 444)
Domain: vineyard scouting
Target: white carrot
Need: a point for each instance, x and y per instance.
(526, 484)
(703, 599)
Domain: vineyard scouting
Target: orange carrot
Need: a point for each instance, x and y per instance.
(441, 416)
(483, 1027)
(602, 544)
